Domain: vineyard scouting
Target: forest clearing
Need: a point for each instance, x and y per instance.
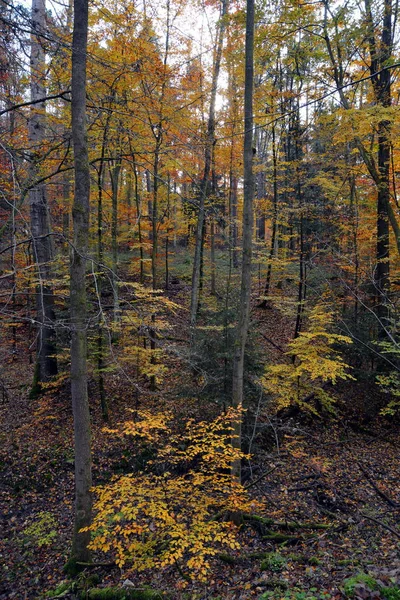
(199, 300)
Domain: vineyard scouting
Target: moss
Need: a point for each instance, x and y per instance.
(227, 559)
(280, 538)
(349, 585)
(314, 561)
(299, 558)
(71, 567)
(64, 586)
(36, 388)
(391, 593)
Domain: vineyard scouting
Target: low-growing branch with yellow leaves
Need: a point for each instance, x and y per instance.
(154, 519)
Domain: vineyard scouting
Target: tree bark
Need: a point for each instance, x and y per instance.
(248, 189)
(80, 213)
(205, 183)
(46, 362)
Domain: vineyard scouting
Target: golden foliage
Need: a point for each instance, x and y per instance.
(314, 361)
(168, 515)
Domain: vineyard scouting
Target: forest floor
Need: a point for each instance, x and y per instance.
(341, 472)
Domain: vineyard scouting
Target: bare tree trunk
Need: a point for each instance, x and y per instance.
(154, 214)
(80, 214)
(46, 362)
(248, 201)
(382, 88)
(139, 217)
(213, 265)
(115, 172)
(274, 216)
(205, 183)
(233, 185)
(168, 215)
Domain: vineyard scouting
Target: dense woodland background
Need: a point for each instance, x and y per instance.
(199, 246)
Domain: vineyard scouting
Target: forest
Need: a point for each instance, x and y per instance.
(199, 299)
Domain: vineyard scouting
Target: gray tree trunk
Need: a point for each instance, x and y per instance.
(248, 201)
(46, 362)
(205, 183)
(80, 214)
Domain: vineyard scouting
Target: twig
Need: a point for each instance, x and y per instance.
(376, 488)
(249, 485)
(273, 344)
(381, 524)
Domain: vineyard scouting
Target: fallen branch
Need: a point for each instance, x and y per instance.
(273, 344)
(381, 524)
(249, 485)
(376, 488)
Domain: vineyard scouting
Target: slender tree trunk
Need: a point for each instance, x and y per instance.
(234, 228)
(248, 190)
(100, 279)
(67, 211)
(233, 182)
(213, 266)
(46, 362)
(80, 214)
(149, 189)
(100, 258)
(154, 214)
(139, 219)
(274, 216)
(115, 172)
(382, 87)
(205, 184)
(168, 215)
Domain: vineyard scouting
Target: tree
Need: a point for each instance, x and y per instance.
(379, 45)
(205, 182)
(248, 190)
(46, 365)
(80, 214)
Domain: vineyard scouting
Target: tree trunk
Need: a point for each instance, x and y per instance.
(46, 365)
(154, 214)
(248, 190)
(274, 217)
(80, 214)
(205, 184)
(115, 172)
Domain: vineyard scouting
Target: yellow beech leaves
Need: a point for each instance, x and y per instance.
(314, 360)
(176, 511)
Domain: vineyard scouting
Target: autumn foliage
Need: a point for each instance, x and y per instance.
(177, 511)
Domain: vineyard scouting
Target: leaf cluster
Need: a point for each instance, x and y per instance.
(168, 515)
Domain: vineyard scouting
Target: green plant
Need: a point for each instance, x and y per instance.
(115, 593)
(273, 562)
(360, 580)
(42, 531)
(391, 593)
(295, 594)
